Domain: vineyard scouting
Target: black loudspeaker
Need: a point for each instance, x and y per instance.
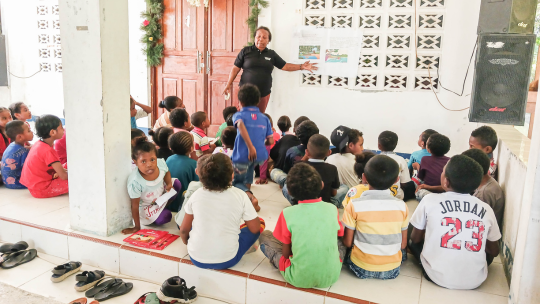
(501, 79)
(507, 16)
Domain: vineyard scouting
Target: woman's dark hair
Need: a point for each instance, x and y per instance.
(427, 133)
(15, 108)
(486, 136)
(228, 111)
(361, 162)
(228, 136)
(161, 137)
(170, 103)
(463, 173)
(136, 133)
(46, 123)
(304, 182)
(480, 157)
(305, 130)
(229, 120)
(14, 128)
(438, 144)
(249, 95)
(263, 28)
(215, 171)
(284, 123)
(142, 145)
(181, 143)
(381, 172)
(178, 118)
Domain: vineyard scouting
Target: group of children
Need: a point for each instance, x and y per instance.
(461, 204)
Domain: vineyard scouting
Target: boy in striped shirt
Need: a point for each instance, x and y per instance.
(376, 224)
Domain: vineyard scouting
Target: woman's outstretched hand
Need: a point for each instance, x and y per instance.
(309, 66)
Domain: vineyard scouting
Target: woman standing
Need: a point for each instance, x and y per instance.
(258, 62)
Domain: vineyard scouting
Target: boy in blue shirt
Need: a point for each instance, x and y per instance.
(254, 132)
(416, 156)
(15, 155)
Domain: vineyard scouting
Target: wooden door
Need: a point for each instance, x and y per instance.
(181, 73)
(228, 33)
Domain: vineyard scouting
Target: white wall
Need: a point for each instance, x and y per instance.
(43, 92)
(406, 113)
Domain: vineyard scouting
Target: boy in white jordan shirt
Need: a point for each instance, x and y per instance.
(455, 229)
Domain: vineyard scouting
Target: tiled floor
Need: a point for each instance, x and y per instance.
(409, 287)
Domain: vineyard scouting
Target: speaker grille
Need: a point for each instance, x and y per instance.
(500, 85)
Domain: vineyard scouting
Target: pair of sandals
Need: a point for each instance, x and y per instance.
(16, 254)
(109, 289)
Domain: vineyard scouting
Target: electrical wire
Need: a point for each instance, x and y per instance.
(26, 76)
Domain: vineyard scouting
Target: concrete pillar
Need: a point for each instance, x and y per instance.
(95, 60)
(525, 286)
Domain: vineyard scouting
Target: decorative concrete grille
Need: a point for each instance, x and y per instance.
(370, 3)
(397, 61)
(43, 24)
(342, 21)
(395, 82)
(369, 61)
(430, 21)
(429, 42)
(314, 20)
(427, 62)
(399, 42)
(311, 79)
(45, 67)
(424, 83)
(370, 21)
(400, 21)
(343, 4)
(44, 53)
(432, 3)
(48, 27)
(334, 81)
(315, 4)
(370, 42)
(401, 4)
(367, 81)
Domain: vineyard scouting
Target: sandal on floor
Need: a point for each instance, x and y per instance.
(15, 259)
(61, 272)
(175, 289)
(79, 301)
(7, 248)
(90, 293)
(94, 302)
(115, 290)
(88, 279)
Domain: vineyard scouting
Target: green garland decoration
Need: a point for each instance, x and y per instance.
(253, 20)
(153, 47)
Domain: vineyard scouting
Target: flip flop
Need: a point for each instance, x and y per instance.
(6, 248)
(115, 290)
(79, 301)
(90, 293)
(18, 258)
(61, 272)
(94, 302)
(88, 279)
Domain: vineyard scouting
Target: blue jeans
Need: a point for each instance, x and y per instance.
(243, 174)
(246, 239)
(335, 200)
(365, 274)
(278, 176)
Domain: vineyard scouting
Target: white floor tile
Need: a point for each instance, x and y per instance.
(249, 262)
(58, 219)
(26, 272)
(328, 300)
(432, 293)
(218, 284)
(266, 270)
(496, 282)
(411, 268)
(264, 293)
(270, 212)
(278, 197)
(262, 192)
(45, 241)
(145, 266)
(401, 290)
(94, 254)
(10, 232)
(29, 208)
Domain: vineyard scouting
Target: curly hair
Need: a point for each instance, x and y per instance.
(181, 143)
(305, 130)
(249, 95)
(388, 140)
(426, 134)
(487, 136)
(161, 136)
(480, 157)
(228, 136)
(142, 145)
(215, 172)
(304, 182)
(463, 173)
(381, 172)
(438, 144)
(228, 111)
(361, 161)
(178, 118)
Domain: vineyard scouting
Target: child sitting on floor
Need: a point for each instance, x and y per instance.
(310, 230)
(453, 232)
(20, 111)
(140, 113)
(376, 224)
(416, 156)
(279, 151)
(228, 137)
(5, 117)
(359, 168)
(169, 104)
(263, 169)
(226, 112)
(429, 176)
(317, 150)
(145, 185)
(388, 141)
(284, 125)
(489, 191)
(180, 121)
(202, 143)
(15, 154)
(181, 166)
(60, 146)
(210, 226)
(161, 139)
(254, 134)
(349, 142)
(485, 139)
(43, 174)
(295, 154)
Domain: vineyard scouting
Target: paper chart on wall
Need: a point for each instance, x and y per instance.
(336, 51)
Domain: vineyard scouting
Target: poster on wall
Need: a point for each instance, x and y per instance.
(335, 50)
